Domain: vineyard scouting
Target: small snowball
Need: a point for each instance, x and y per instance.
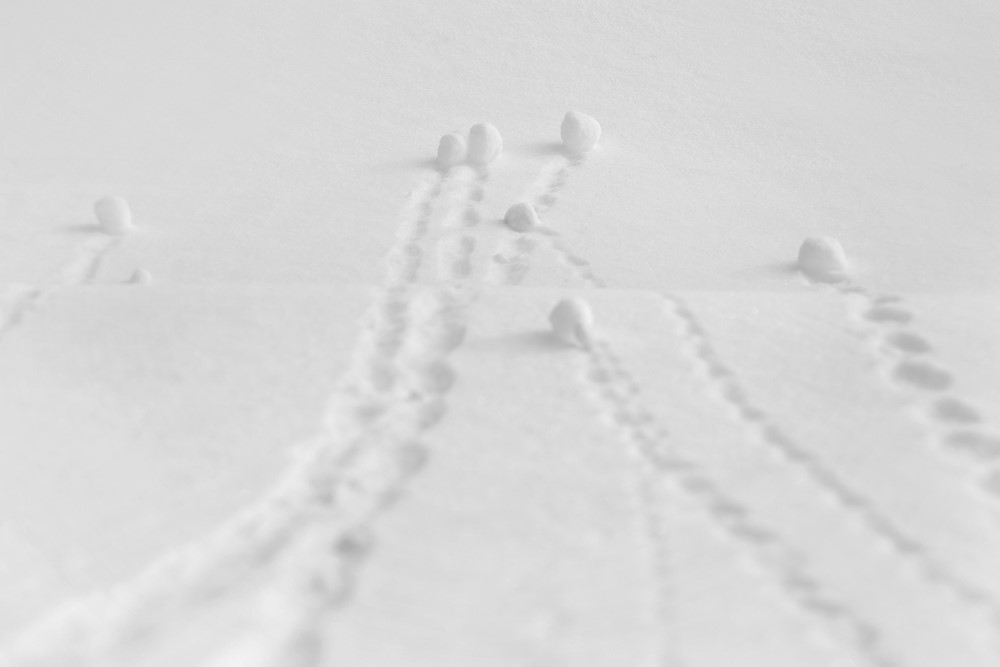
(579, 131)
(485, 143)
(452, 150)
(521, 217)
(141, 277)
(822, 258)
(572, 320)
(114, 215)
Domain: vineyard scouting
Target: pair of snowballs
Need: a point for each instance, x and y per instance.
(821, 258)
(579, 132)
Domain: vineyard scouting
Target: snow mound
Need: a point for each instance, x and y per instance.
(452, 150)
(579, 131)
(141, 277)
(822, 258)
(572, 320)
(521, 217)
(485, 143)
(114, 215)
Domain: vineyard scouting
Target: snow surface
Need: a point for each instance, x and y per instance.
(337, 428)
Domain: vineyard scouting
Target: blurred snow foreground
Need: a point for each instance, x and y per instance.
(558, 394)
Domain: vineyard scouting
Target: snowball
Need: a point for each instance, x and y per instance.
(579, 131)
(521, 217)
(822, 258)
(452, 150)
(572, 320)
(114, 215)
(141, 277)
(485, 143)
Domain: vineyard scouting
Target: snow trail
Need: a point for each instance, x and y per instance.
(333, 467)
(767, 433)
(82, 269)
(456, 244)
(310, 587)
(905, 360)
(511, 258)
(617, 396)
(763, 430)
(309, 590)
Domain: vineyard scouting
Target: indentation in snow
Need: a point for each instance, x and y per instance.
(953, 410)
(889, 314)
(909, 342)
(978, 445)
(922, 375)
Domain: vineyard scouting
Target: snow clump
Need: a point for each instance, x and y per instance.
(113, 215)
(521, 217)
(141, 277)
(485, 143)
(822, 258)
(580, 132)
(452, 150)
(572, 321)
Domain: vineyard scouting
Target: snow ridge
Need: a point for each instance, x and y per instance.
(767, 433)
(617, 395)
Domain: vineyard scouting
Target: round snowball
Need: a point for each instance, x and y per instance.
(114, 215)
(452, 150)
(485, 143)
(141, 277)
(521, 217)
(579, 131)
(822, 258)
(572, 320)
